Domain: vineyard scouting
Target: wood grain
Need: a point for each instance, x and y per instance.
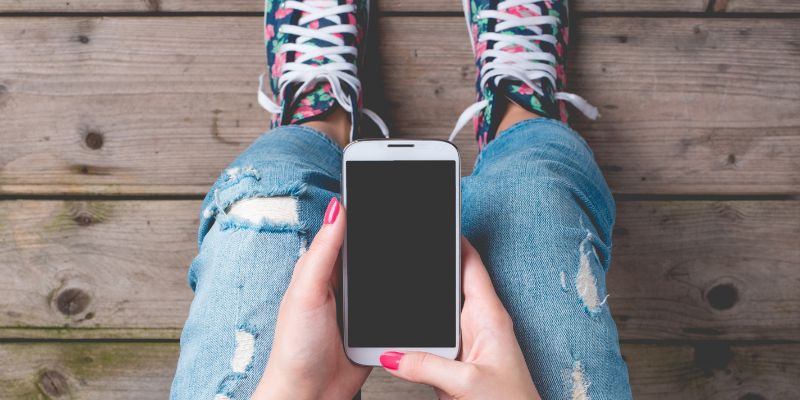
(699, 269)
(87, 370)
(760, 6)
(577, 5)
(117, 269)
(256, 6)
(713, 371)
(683, 111)
(126, 371)
(250, 6)
(131, 6)
(96, 265)
(704, 293)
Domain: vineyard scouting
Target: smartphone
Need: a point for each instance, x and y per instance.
(401, 261)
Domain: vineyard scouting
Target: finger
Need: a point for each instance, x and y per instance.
(312, 274)
(476, 281)
(450, 376)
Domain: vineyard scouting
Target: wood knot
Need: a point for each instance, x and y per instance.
(154, 5)
(84, 169)
(86, 213)
(722, 296)
(93, 140)
(53, 383)
(465, 71)
(72, 301)
(83, 219)
(3, 95)
(83, 39)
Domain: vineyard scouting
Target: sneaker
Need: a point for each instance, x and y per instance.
(520, 49)
(314, 49)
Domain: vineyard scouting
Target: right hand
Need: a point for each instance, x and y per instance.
(491, 365)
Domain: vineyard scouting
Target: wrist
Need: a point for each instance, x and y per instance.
(274, 386)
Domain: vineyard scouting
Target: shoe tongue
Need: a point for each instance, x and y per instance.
(313, 102)
(523, 11)
(521, 93)
(326, 22)
(318, 99)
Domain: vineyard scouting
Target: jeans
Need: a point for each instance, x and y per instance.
(536, 207)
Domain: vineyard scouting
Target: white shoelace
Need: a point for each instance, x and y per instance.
(338, 71)
(529, 66)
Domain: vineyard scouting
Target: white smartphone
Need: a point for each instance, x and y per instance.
(401, 261)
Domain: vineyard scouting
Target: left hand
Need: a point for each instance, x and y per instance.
(491, 365)
(307, 359)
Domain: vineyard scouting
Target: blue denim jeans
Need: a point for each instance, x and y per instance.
(536, 207)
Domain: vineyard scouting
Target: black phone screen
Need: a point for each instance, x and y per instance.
(401, 253)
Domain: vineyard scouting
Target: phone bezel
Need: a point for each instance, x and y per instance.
(402, 150)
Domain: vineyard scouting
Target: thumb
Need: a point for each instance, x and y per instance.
(450, 376)
(313, 271)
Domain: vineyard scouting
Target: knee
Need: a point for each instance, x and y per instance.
(278, 210)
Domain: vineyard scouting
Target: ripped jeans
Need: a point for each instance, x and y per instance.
(536, 207)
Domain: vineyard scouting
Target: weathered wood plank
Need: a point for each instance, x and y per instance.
(87, 370)
(577, 5)
(117, 269)
(156, 105)
(706, 269)
(774, 6)
(382, 386)
(163, 106)
(256, 6)
(131, 6)
(144, 370)
(682, 110)
(713, 371)
(96, 265)
(126, 371)
(758, 6)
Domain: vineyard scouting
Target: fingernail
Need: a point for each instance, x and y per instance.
(332, 212)
(391, 359)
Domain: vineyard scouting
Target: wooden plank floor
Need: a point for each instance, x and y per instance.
(116, 116)
(683, 110)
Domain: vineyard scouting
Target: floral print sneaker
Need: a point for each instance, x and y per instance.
(520, 49)
(314, 48)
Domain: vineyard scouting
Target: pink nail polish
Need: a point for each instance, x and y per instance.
(391, 359)
(332, 212)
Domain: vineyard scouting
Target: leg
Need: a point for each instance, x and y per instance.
(264, 209)
(538, 210)
(537, 207)
(256, 221)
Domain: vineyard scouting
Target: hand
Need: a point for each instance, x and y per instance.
(307, 359)
(491, 365)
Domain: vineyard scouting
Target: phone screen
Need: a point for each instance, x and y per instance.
(401, 253)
